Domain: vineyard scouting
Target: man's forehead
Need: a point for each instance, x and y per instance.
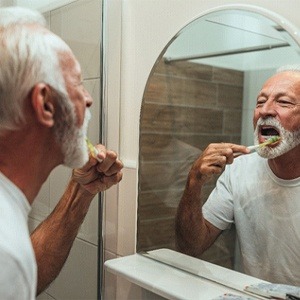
(286, 78)
(70, 65)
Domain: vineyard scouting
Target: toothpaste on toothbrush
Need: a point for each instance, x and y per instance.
(269, 141)
(92, 149)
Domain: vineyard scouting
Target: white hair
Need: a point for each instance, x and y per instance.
(29, 54)
(20, 15)
(286, 68)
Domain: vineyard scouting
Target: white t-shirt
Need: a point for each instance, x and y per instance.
(18, 269)
(266, 213)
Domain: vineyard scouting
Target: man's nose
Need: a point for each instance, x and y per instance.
(268, 109)
(88, 98)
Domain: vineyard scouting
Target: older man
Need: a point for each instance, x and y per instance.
(259, 192)
(43, 122)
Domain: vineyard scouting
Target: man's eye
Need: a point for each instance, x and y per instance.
(260, 103)
(284, 103)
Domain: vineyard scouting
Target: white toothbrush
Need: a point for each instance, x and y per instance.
(269, 141)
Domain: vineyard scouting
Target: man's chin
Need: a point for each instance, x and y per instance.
(273, 152)
(77, 161)
(267, 155)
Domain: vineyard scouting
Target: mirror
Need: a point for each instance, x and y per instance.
(202, 89)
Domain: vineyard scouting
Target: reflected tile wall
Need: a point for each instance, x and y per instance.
(186, 106)
(79, 24)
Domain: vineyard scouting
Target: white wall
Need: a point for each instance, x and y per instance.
(42, 5)
(133, 45)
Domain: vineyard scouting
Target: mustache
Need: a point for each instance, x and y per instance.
(269, 122)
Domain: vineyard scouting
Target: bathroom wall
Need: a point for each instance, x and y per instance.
(79, 24)
(42, 5)
(186, 106)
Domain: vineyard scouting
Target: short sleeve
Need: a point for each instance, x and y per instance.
(218, 209)
(13, 283)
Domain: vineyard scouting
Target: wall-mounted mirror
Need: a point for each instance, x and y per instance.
(202, 89)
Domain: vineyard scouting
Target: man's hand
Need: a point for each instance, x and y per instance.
(214, 159)
(99, 174)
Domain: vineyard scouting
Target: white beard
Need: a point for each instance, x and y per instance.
(74, 145)
(288, 141)
(70, 137)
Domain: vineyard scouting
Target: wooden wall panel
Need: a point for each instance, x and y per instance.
(186, 106)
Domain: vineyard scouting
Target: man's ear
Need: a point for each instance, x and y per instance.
(43, 104)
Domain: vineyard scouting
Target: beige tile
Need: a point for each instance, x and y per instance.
(158, 204)
(185, 69)
(89, 228)
(59, 179)
(40, 206)
(233, 122)
(44, 296)
(111, 219)
(127, 212)
(164, 175)
(78, 278)
(156, 233)
(230, 96)
(228, 76)
(47, 17)
(183, 91)
(162, 147)
(79, 24)
(109, 255)
(179, 120)
(32, 223)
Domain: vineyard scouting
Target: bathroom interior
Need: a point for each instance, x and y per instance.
(166, 80)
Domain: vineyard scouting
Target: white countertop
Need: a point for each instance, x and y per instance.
(178, 276)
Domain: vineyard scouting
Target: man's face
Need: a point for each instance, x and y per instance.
(278, 113)
(74, 85)
(71, 128)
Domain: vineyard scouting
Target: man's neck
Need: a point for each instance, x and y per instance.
(26, 161)
(287, 166)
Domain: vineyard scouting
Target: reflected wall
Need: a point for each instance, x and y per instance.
(186, 106)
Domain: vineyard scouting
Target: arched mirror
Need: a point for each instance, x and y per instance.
(202, 89)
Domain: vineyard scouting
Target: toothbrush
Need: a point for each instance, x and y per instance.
(269, 141)
(92, 149)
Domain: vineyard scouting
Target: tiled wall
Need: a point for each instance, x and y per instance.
(79, 24)
(186, 106)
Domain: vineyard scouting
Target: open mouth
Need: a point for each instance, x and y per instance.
(268, 131)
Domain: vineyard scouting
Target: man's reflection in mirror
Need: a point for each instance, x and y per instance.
(259, 192)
